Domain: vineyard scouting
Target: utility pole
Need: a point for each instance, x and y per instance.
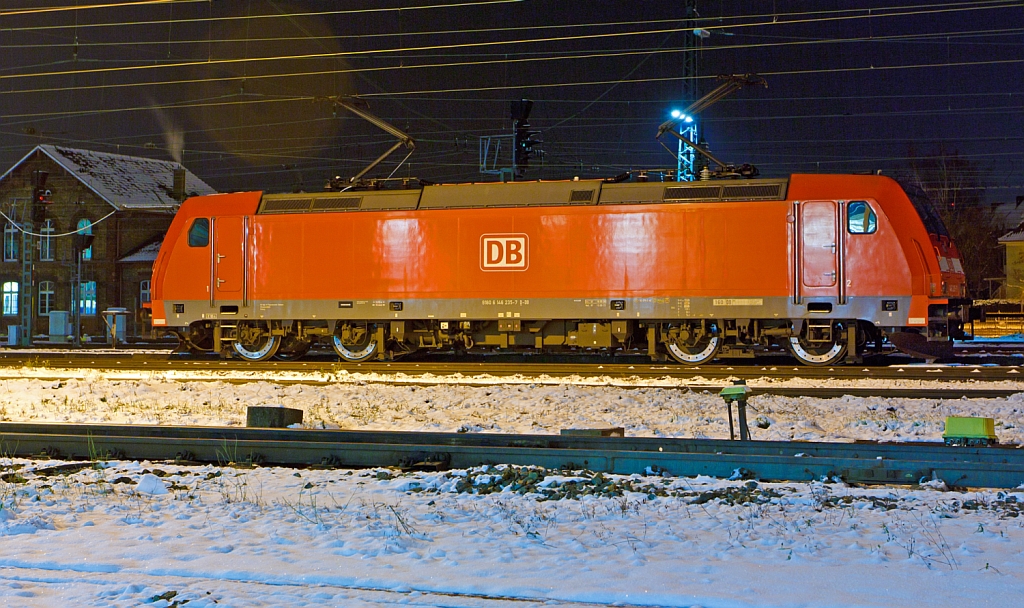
(687, 162)
(35, 216)
(25, 289)
(80, 242)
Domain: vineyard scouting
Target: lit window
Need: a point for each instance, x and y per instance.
(10, 298)
(46, 241)
(85, 227)
(860, 218)
(46, 290)
(144, 291)
(10, 243)
(87, 298)
(199, 233)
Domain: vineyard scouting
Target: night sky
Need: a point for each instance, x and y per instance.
(231, 87)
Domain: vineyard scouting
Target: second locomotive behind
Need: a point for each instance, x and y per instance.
(824, 265)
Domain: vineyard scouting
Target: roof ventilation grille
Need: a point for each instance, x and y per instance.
(581, 196)
(752, 192)
(692, 193)
(286, 205)
(335, 204)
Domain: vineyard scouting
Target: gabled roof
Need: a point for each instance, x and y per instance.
(1014, 236)
(146, 253)
(126, 182)
(1007, 214)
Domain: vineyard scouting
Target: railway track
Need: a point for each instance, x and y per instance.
(899, 381)
(503, 365)
(867, 463)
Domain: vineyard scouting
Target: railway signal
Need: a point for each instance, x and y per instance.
(41, 199)
(522, 137)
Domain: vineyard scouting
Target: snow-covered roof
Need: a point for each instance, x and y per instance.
(1007, 214)
(126, 182)
(146, 253)
(1014, 236)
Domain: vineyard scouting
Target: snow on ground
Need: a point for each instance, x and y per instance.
(279, 537)
(154, 534)
(543, 406)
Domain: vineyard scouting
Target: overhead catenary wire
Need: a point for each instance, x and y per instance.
(21, 228)
(467, 91)
(76, 7)
(349, 54)
(776, 17)
(520, 86)
(506, 60)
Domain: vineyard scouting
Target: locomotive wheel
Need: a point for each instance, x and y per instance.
(199, 338)
(255, 342)
(818, 354)
(354, 342)
(292, 349)
(697, 349)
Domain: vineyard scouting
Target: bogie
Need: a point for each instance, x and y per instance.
(692, 343)
(819, 343)
(254, 341)
(357, 341)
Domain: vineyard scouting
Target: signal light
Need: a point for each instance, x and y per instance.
(41, 199)
(522, 137)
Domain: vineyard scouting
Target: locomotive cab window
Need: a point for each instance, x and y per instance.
(861, 218)
(199, 233)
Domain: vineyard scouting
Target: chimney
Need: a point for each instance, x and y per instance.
(179, 183)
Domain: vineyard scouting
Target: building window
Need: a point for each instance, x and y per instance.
(10, 243)
(46, 241)
(87, 298)
(85, 227)
(46, 297)
(10, 298)
(144, 291)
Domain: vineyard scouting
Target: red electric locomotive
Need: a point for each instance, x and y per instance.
(824, 265)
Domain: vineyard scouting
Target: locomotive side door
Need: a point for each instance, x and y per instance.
(819, 249)
(227, 275)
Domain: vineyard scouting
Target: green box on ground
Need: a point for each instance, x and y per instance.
(962, 426)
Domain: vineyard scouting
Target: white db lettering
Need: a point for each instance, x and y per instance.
(504, 252)
(495, 253)
(514, 253)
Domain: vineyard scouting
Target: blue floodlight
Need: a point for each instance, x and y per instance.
(680, 116)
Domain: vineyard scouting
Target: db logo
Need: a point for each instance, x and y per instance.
(504, 252)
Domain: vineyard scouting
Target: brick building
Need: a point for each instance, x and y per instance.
(126, 203)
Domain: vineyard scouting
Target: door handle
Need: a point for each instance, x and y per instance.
(219, 281)
(832, 247)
